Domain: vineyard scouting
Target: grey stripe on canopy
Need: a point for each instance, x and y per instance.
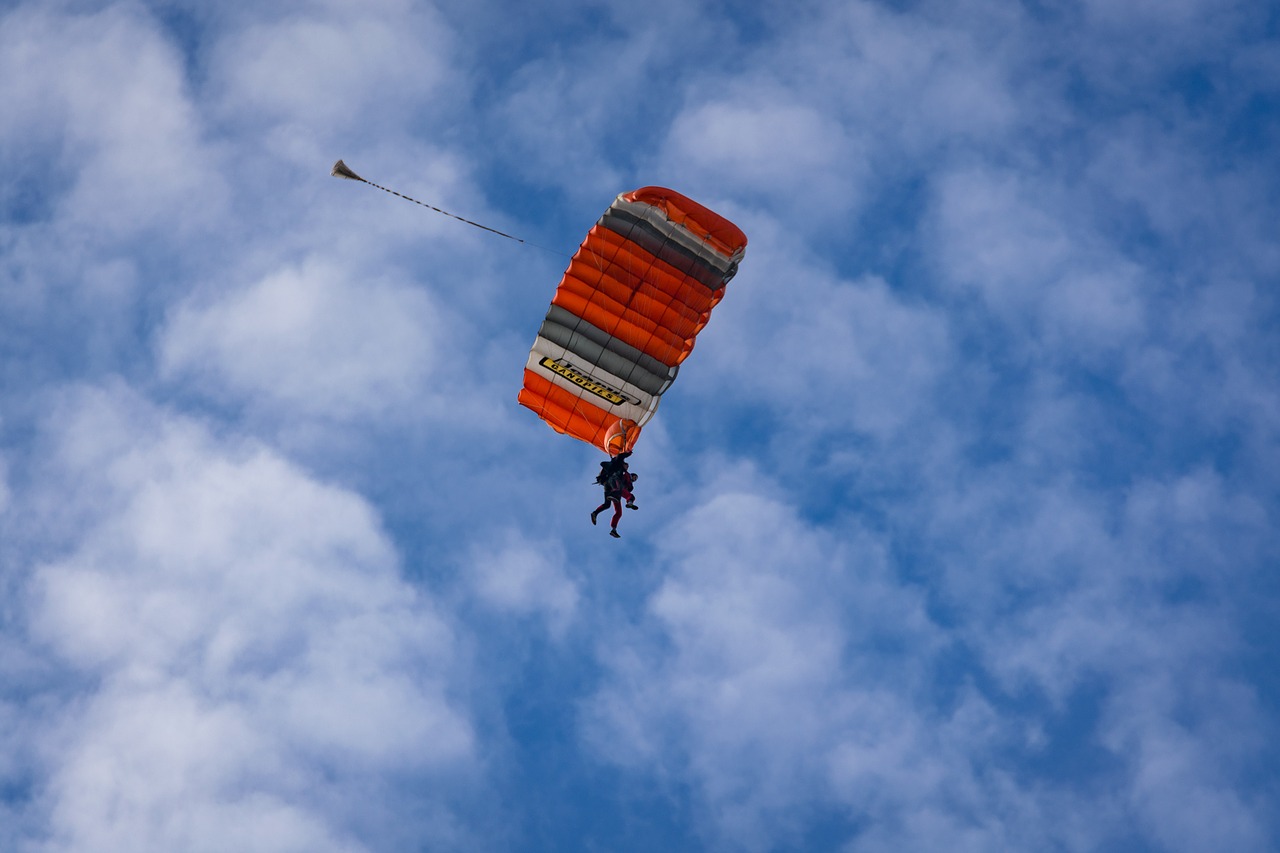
(656, 217)
(644, 234)
(596, 346)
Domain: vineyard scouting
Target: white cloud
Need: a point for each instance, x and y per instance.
(102, 98)
(920, 80)
(565, 112)
(5, 493)
(1184, 757)
(964, 204)
(837, 102)
(255, 668)
(333, 66)
(316, 339)
(770, 143)
(520, 577)
(1153, 37)
(1011, 240)
(788, 670)
(165, 769)
(1064, 595)
(758, 663)
(847, 354)
(105, 152)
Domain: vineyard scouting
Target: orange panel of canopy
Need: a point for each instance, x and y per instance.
(626, 313)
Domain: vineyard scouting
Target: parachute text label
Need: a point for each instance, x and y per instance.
(568, 371)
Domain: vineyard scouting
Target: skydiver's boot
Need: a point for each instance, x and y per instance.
(594, 513)
(630, 505)
(614, 533)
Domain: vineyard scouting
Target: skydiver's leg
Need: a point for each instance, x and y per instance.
(617, 514)
(598, 510)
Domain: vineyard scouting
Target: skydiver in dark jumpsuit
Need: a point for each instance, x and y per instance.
(616, 478)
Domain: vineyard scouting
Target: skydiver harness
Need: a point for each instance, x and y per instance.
(614, 477)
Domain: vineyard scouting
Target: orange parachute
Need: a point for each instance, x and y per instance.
(636, 293)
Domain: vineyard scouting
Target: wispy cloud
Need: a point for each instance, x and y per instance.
(315, 340)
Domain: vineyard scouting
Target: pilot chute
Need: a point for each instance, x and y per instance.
(626, 313)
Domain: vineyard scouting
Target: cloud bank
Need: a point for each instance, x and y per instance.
(957, 529)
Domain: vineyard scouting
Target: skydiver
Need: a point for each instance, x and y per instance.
(616, 478)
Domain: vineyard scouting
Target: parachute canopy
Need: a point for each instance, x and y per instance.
(635, 296)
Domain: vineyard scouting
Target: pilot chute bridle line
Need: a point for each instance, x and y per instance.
(342, 170)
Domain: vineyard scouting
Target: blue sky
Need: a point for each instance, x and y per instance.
(958, 530)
